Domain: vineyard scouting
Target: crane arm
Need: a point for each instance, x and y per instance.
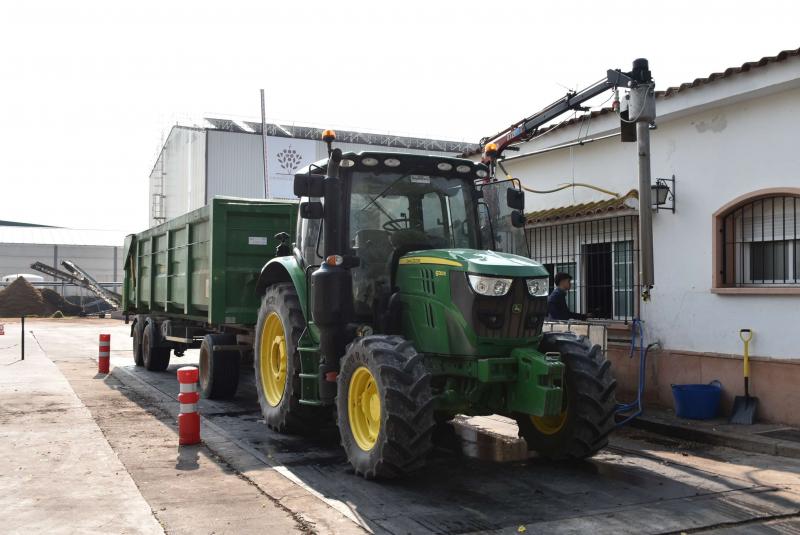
(493, 146)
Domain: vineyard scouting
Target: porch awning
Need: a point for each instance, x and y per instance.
(627, 202)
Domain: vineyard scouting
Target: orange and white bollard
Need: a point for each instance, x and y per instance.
(105, 353)
(188, 417)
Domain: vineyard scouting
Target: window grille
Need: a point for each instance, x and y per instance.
(601, 255)
(761, 244)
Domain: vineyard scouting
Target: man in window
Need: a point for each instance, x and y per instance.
(557, 309)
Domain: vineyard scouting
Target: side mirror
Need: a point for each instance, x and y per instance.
(517, 219)
(311, 210)
(309, 185)
(515, 199)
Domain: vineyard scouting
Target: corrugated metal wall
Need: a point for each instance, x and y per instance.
(179, 174)
(196, 165)
(235, 165)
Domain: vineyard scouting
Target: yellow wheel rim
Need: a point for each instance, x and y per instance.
(272, 359)
(364, 408)
(551, 425)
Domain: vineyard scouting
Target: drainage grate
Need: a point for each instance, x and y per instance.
(783, 434)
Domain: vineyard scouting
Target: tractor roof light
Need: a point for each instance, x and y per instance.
(347, 162)
(444, 166)
(490, 150)
(334, 260)
(391, 162)
(370, 162)
(463, 168)
(328, 136)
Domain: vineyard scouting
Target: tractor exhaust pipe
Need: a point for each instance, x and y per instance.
(331, 286)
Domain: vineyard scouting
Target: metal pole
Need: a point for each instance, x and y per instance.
(645, 203)
(642, 109)
(23, 337)
(264, 144)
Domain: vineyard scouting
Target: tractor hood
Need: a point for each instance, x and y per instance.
(478, 262)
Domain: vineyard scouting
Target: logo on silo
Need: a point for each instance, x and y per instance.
(289, 160)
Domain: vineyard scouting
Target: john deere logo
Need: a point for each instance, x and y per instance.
(516, 308)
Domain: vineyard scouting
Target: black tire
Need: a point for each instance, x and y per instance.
(219, 370)
(136, 336)
(288, 415)
(590, 401)
(154, 358)
(406, 407)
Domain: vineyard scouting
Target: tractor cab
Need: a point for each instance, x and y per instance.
(394, 204)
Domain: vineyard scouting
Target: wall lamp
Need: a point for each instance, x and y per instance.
(663, 194)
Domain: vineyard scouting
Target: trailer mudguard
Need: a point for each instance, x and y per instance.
(284, 269)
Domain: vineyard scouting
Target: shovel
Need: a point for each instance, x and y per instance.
(744, 407)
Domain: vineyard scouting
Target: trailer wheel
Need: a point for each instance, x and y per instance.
(384, 407)
(154, 358)
(587, 418)
(136, 336)
(219, 370)
(277, 361)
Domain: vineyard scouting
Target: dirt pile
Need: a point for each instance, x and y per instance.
(20, 298)
(53, 302)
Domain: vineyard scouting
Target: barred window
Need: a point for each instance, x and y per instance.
(601, 255)
(761, 243)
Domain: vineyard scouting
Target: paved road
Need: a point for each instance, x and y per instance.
(641, 484)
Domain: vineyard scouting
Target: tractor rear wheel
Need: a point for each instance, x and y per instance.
(276, 361)
(587, 418)
(384, 407)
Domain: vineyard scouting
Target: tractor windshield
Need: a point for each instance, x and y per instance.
(392, 214)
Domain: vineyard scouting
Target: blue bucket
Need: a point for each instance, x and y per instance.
(697, 402)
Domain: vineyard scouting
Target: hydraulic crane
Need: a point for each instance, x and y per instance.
(636, 115)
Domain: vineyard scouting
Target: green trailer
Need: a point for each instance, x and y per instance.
(191, 283)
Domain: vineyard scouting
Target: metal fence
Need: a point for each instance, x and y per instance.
(761, 244)
(601, 255)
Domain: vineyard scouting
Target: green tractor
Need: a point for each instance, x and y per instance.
(402, 304)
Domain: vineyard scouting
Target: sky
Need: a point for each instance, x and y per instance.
(88, 90)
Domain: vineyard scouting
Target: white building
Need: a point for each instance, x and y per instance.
(99, 252)
(727, 258)
(226, 157)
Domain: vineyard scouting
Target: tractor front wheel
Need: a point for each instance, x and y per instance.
(384, 407)
(276, 361)
(587, 415)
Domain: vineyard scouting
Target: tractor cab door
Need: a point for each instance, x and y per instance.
(501, 218)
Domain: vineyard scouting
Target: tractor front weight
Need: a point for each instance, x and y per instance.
(527, 382)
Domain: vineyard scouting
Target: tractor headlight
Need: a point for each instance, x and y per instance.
(537, 287)
(492, 286)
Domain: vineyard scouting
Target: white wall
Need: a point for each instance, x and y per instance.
(716, 154)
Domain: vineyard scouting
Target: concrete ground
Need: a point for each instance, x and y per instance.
(109, 462)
